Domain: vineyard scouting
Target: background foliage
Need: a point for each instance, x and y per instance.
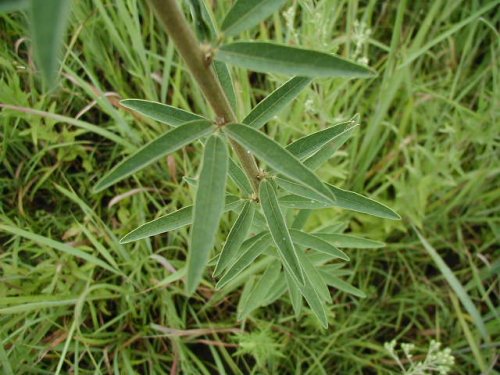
(427, 146)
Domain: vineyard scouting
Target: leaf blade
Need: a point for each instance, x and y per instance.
(165, 144)
(274, 58)
(235, 238)
(272, 104)
(49, 19)
(316, 243)
(278, 229)
(208, 208)
(247, 13)
(276, 156)
(166, 114)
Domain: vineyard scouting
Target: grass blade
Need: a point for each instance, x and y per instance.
(276, 156)
(208, 208)
(456, 286)
(247, 13)
(279, 231)
(315, 243)
(59, 246)
(274, 58)
(48, 23)
(311, 143)
(272, 104)
(161, 146)
(166, 114)
(235, 238)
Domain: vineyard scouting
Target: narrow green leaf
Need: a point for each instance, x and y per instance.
(329, 149)
(208, 208)
(161, 146)
(257, 296)
(279, 230)
(349, 241)
(308, 145)
(314, 277)
(247, 13)
(59, 246)
(272, 104)
(295, 295)
(226, 81)
(276, 156)
(457, 287)
(239, 177)
(315, 302)
(315, 243)
(166, 114)
(344, 199)
(342, 285)
(250, 250)
(302, 191)
(274, 58)
(48, 23)
(203, 22)
(235, 238)
(13, 5)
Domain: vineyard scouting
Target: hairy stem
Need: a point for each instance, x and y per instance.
(179, 31)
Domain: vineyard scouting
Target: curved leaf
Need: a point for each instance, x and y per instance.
(247, 13)
(342, 285)
(161, 146)
(315, 243)
(235, 238)
(279, 230)
(163, 113)
(276, 156)
(308, 145)
(348, 241)
(172, 221)
(275, 58)
(208, 208)
(272, 104)
(250, 250)
(48, 22)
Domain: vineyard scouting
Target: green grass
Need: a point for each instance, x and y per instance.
(73, 300)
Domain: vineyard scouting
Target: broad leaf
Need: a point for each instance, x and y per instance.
(344, 199)
(155, 150)
(239, 177)
(258, 294)
(163, 113)
(315, 243)
(208, 208)
(172, 221)
(249, 251)
(276, 156)
(308, 145)
(247, 13)
(235, 238)
(342, 285)
(274, 58)
(272, 104)
(349, 241)
(48, 22)
(279, 231)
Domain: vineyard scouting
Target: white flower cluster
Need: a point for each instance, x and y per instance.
(437, 360)
(360, 37)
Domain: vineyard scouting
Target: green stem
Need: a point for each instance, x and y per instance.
(199, 64)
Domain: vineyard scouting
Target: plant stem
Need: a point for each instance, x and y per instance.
(179, 31)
